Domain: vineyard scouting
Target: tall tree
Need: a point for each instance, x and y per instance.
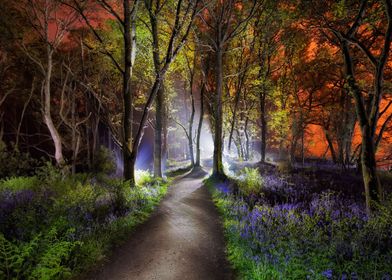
(45, 17)
(225, 20)
(126, 19)
(179, 29)
(345, 24)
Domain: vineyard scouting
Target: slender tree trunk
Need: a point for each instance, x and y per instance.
(232, 124)
(199, 128)
(158, 132)
(263, 126)
(140, 131)
(47, 114)
(218, 141)
(165, 151)
(191, 120)
(331, 147)
(74, 132)
(373, 189)
(293, 148)
(240, 150)
(247, 145)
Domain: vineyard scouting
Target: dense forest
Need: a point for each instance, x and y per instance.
(283, 108)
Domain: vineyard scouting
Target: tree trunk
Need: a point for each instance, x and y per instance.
(293, 148)
(129, 57)
(201, 117)
(74, 132)
(232, 124)
(373, 189)
(331, 147)
(140, 131)
(191, 120)
(263, 126)
(132, 164)
(368, 158)
(159, 112)
(47, 114)
(218, 141)
(165, 131)
(247, 154)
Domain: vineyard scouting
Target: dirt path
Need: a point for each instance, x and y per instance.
(182, 240)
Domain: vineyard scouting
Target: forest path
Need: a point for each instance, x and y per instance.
(183, 239)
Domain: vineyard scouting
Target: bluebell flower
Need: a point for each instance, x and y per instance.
(327, 273)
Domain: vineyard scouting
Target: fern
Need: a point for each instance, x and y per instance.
(53, 259)
(14, 256)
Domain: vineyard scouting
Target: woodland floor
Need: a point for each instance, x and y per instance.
(183, 239)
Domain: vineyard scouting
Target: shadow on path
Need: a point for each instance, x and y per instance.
(183, 239)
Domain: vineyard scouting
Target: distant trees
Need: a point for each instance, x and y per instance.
(164, 52)
(224, 20)
(360, 27)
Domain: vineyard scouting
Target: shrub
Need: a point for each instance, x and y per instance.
(15, 163)
(104, 161)
(14, 184)
(143, 177)
(250, 181)
(43, 257)
(48, 174)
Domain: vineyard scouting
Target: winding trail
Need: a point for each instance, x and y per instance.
(183, 239)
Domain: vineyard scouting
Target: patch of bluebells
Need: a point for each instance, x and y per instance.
(325, 234)
(84, 208)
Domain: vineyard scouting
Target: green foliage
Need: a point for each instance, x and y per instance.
(143, 177)
(54, 227)
(49, 174)
(280, 118)
(57, 251)
(250, 181)
(42, 257)
(15, 163)
(339, 9)
(19, 183)
(104, 161)
(13, 256)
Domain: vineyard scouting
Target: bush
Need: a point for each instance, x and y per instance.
(15, 163)
(14, 184)
(250, 182)
(143, 177)
(104, 161)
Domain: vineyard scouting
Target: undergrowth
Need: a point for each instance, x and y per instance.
(324, 237)
(55, 228)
